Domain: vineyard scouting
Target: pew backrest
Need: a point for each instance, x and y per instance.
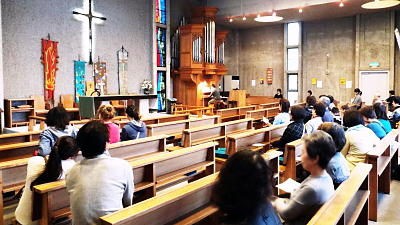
(260, 113)
(19, 137)
(234, 113)
(293, 151)
(155, 120)
(349, 204)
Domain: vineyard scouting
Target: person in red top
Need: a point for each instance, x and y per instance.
(106, 114)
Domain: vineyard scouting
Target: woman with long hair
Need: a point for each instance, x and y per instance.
(57, 121)
(39, 171)
(242, 190)
(380, 111)
(372, 122)
(106, 114)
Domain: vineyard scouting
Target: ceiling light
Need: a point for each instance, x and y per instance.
(380, 4)
(300, 10)
(268, 19)
(258, 16)
(341, 4)
(230, 20)
(244, 18)
(274, 14)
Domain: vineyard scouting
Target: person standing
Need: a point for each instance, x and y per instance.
(357, 100)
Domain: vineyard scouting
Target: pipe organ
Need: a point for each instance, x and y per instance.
(201, 56)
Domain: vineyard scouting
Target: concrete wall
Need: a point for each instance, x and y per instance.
(26, 22)
(336, 38)
(259, 49)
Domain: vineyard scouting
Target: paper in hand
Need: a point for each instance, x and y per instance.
(265, 120)
(289, 185)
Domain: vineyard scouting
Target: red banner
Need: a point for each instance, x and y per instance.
(50, 60)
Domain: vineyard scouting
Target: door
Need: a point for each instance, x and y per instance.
(372, 82)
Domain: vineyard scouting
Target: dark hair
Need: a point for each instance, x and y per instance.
(310, 92)
(131, 112)
(321, 96)
(337, 133)
(92, 138)
(64, 148)
(243, 186)
(380, 111)
(280, 90)
(396, 99)
(320, 143)
(107, 112)
(213, 85)
(331, 99)
(319, 108)
(352, 117)
(298, 113)
(368, 112)
(335, 110)
(358, 91)
(311, 100)
(285, 105)
(391, 92)
(58, 118)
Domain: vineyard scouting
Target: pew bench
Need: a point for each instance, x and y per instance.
(215, 132)
(19, 137)
(269, 105)
(200, 111)
(349, 204)
(258, 114)
(17, 150)
(264, 137)
(167, 208)
(237, 113)
(382, 157)
(293, 150)
(121, 121)
(51, 200)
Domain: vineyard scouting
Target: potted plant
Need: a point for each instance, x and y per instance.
(146, 86)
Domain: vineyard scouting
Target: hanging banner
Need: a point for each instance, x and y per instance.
(79, 67)
(269, 75)
(49, 60)
(122, 55)
(100, 76)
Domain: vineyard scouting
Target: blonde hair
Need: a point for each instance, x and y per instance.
(106, 112)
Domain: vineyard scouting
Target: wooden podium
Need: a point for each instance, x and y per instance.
(88, 105)
(239, 96)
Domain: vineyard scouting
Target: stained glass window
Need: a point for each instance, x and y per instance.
(160, 11)
(161, 90)
(161, 46)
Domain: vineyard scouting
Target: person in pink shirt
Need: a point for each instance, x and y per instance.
(106, 114)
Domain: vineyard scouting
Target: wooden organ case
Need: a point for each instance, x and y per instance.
(201, 56)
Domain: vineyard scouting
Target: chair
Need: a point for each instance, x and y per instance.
(119, 106)
(40, 106)
(67, 101)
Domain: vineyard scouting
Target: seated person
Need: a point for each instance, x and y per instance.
(337, 167)
(283, 116)
(242, 190)
(331, 100)
(372, 122)
(336, 115)
(106, 114)
(380, 111)
(395, 115)
(327, 116)
(98, 184)
(318, 113)
(135, 129)
(57, 121)
(295, 130)
(315, 190)
(359, 139)
(310, 102)
(41, 170)
(278, 93)
(215, 94)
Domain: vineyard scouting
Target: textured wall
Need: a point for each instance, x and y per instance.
(129, 23)
(261, 48)
(336, 38)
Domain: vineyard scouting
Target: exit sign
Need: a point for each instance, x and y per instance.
(373, 64)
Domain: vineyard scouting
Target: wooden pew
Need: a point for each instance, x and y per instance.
(17, 150)
(215, 132)
(234, 113)
(33, 119)
(168, 208)
(269, 105)
(176, 127)
(257, 100)
(382, 158)
(195, 109)
(293, 150)
(264, 136)
(150, 173)
(12, 178)
(155, 120)
(349, 204)
(258, 114)
(19, 137)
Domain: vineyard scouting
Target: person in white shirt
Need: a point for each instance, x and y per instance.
(283, 117)
(317, 113)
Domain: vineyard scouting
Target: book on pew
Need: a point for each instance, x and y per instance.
(221, 153)
(289, 185)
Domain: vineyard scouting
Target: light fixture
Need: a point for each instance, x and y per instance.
(300, 10)
(380, 4)
(268, 19)
(341, 4)
(274, 13)
(244, 18)
(258, 16)
(230, 20)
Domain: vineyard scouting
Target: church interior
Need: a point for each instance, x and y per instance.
(168, 54)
